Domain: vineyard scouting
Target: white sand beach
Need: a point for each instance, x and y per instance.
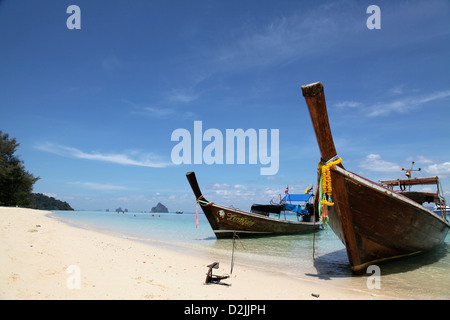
(43, 258)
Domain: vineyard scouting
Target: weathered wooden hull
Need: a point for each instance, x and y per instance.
(225, 221)
(375, 224)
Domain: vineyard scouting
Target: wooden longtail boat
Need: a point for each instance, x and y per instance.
(225, 221)
(419, 196)
(375, 223)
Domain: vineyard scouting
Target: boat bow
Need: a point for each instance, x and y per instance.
(374, 223)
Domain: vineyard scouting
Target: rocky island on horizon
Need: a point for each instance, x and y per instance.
(160, 208)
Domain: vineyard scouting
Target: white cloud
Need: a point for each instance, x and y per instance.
(349, 104)
(110, 63)
(288, 38)
(405, 104)
(159, 112)
(98, 186)
(400, 105)
(396, 90)
(420, 160)
(140, 159)
(439, 168)
(52, 195)
(183, 96)
(220, 185)
(373, 162)
(231, 191)
(272, 193)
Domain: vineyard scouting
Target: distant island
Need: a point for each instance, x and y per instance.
(160, 208)
(43, 202)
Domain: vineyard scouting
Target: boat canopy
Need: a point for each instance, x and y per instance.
(297, 197)
(295, 208)
(410, 182)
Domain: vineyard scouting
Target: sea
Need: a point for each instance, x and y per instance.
(307, 256)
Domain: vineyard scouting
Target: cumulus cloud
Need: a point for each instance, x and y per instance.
(439, 168)
(373, 162)
(230, 192)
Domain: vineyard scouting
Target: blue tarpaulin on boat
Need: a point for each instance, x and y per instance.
(295, 208)
(297, 197)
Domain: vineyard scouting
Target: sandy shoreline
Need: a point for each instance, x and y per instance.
(43, 258)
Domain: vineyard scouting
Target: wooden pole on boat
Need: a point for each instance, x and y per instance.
(315, 99)
(201, 201)
(194, 184)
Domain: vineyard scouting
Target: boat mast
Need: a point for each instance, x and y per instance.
(408, 173)
(442, 202)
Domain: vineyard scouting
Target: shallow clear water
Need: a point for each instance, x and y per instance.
(421, 277)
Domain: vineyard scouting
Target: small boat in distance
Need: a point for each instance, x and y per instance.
(440, 208)
(374, 223)
(421, 197)
(226, 221)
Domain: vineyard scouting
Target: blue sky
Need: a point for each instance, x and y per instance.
(94, 109)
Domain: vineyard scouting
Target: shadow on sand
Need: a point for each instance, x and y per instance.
(335, 264)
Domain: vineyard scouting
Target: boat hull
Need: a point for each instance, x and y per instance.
(375, 224)
(226, 221)
(383, 226)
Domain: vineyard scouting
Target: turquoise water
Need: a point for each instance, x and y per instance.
(422, 277)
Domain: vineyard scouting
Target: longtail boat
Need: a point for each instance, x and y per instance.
(226, 221)
(420, 196)
(375, 223)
